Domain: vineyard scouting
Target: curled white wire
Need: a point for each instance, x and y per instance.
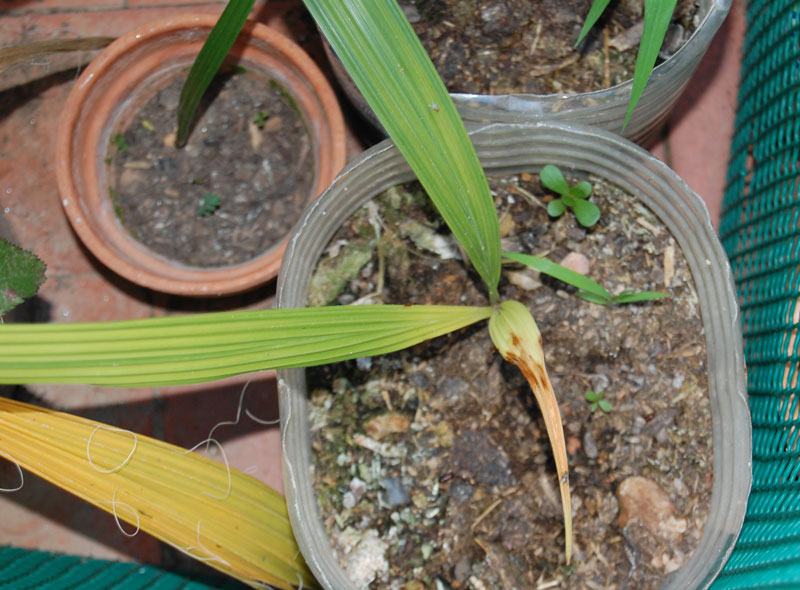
(207, 442)
(247, 412)
(111, 429)
(21, 477)
(114, 503)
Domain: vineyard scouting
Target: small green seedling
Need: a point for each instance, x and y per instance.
(261, 118)
(572, 197)
(588, 289)
(209, 205)
(597, 400)
(119, 141)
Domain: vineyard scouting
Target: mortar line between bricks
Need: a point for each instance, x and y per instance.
(110, 8)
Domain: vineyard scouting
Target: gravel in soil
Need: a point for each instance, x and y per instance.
(432, 465)
(528, 46)
(232, 192)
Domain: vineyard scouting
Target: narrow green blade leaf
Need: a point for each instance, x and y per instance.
(193, 349)
(657, 16)
(594, 13)
(594, 298)
(208, 61)
(638, 297)
(21, 273)
(561, 273)
(390, 67)
(553, 179)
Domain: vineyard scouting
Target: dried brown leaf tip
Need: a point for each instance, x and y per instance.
(517, 337)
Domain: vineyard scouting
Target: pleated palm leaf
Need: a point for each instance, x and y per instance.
(172, 493)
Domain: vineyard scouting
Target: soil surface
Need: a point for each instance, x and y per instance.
(528, 46)
(232, 192)
(432, 465)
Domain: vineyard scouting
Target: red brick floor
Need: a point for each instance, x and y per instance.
(78, 288)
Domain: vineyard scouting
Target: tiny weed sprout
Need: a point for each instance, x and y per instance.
(597, 400)
(119, 141)
(572, 197)
(260, 118)
(588, 289)
(209, 204)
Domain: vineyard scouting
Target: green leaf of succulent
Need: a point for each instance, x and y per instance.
(556, 208)
(582, 190)
(21, 274)
(604, 405)
(198, 348)
(553, 179)
(561, 273)
(586, 212)
(591, 396)
(387, 62)
(205, 67)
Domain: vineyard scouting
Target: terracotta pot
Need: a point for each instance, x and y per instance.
(509, 149)
(605, 109)
(122, 79)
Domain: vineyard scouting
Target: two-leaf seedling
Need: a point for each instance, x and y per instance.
(587, 288)
(598, 400)
(572, 197)
(209, 204)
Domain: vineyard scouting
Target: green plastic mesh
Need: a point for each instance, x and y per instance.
(22, 569)
(760, 231)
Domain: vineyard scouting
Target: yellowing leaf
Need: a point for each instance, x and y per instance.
(216, 514)
(517, 337)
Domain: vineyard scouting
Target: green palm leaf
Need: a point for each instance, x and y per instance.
(212, 54)
(391, 69)
(192, 349)
(657, 16)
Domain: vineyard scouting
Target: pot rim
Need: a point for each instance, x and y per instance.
(508, 148)
(605, 108)
(77, 166)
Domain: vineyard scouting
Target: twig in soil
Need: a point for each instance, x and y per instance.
(531, 198)
(537, 36)
(486, 513)
(549, 69)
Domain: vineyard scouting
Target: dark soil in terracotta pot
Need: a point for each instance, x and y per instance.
(233, 191)
(432, 466)
(528, 46)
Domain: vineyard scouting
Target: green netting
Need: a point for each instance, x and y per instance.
(760, 230)
(22, 569)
